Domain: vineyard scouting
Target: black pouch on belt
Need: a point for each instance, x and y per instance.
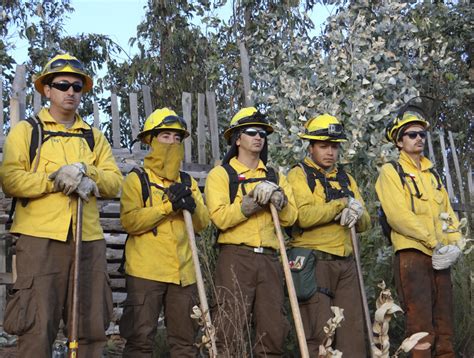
(302, 262)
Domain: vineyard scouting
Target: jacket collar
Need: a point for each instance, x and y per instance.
(425, 163)
(46, 117)
(242, 168)
(331, 172)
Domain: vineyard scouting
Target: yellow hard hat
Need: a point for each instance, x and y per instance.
(63, 64)
(393, 129)
(248, 116)
(161, 119)
(325, 128)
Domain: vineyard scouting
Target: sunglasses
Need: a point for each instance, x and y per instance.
(64, 86)
(61, 63)
(253, 132)
(414, 134)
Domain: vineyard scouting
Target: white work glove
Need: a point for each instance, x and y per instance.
(351, 214)
(279, 199)
(249, 206)
(87, 187)
(263, 192)
(445, 256)
(68, 177)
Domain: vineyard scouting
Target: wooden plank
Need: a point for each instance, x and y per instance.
(2, 119)
(147, 100)
(135, 125)
(457, 168)
(36, 101)
(186, 103)
(245, 65)
(115, 121)
(430, 149)
(18, 97)
(96, 115)
(213, 127)
(449, 183)
(201, 131)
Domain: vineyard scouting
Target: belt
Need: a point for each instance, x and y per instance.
(259, 250)
(326, 256)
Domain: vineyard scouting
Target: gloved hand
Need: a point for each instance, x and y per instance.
(177, 191)
(68, 177)
(263, 192)
(186, 203)
(249, 206)
(351, 214)
(87, 187)
(445, 256)
(279, 199)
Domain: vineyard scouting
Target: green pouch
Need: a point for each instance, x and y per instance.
(302, 262)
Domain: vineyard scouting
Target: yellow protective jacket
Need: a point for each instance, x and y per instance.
(236, 228)
(317, 229)
(420, 229)
(48, 214)
(165, 257)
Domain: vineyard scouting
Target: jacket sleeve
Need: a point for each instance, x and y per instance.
(222, 213)
(312, 209)
(104, 171)
(453, 237)
(289, 213)
(135, 218)
(201, 215)
(391, 194)
(15, 175)
(363, 224)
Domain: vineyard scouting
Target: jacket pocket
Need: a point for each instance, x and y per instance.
(130, 317)
(21, 309)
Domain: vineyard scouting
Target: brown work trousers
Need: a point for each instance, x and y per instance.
(139, 321)
(249, 288)
(42, 296)
(426, 296)
(340, 277)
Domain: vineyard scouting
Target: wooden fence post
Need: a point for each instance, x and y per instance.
(187, 105)
(458, 171)
(135, 125)
(96, 115)
(147, 100)
(18, 97)
(36, 101)
(430, 149)
(245, 64)
(201, 131)
(115, 121)
(213, 128)
(449, 183)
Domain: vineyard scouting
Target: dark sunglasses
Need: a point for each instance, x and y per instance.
(61, 63)
(253, 132)
(414, 134)
(64, 86)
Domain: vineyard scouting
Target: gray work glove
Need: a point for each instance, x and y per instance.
(68, 177)
(279, 199)
(263, 192)
(445, 256)
(87, 187)
(350, 214)
(249, 206)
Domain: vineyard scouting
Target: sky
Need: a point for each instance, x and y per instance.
(119, 19)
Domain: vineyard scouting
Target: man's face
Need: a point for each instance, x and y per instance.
(64, 101)
(324, 153)
(413, 139)
(169, 137)
(252, 139)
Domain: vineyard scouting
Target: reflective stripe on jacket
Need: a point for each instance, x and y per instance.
(49, 214)
(318, 230)
(165, 257)
(236, 228)
(421, 229)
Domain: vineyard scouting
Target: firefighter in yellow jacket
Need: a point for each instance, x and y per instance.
(159, 267)
(424, 230)
(249, 278)
(329, 204)
(48, 160)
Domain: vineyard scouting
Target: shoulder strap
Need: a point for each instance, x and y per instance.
(233, 181)
(144, 181)
(343, 179)
(438, 178)
(37, 131)
(311, 175)
(89, 137)
(272, 175)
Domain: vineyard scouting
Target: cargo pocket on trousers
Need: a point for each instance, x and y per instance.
(21, 309)
(132, 306)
